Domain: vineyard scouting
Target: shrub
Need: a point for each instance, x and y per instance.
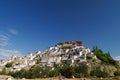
(35, 72)
(8, 65)
(81, 70)
(88, 57)
(3, 72)
(117, 73)
(98, 73)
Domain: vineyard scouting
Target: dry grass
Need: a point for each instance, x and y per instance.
(3, 77)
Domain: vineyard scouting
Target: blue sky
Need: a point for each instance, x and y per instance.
(31, 25)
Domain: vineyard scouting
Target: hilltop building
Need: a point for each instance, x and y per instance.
(73, 52)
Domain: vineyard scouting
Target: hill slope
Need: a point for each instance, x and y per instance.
(66, 58)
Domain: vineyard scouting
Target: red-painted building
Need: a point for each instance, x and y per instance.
(70, 43)
(78, 43)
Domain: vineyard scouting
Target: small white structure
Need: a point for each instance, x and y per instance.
(31, 63)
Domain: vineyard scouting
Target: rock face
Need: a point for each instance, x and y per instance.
(110, 69)
(4, 77)
(72, 52)
(8, 78)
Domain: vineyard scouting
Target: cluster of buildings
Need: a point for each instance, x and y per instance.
(5, 61)
(21, 62)
(72, 52)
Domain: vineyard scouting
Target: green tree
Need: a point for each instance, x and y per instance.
(54, 72)
(81, 70)
(8, 65)
(104, 57)
(66, 70)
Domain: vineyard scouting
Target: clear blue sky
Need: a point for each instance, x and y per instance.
(31, 25)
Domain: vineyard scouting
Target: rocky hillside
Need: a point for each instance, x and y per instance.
(71, 54)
